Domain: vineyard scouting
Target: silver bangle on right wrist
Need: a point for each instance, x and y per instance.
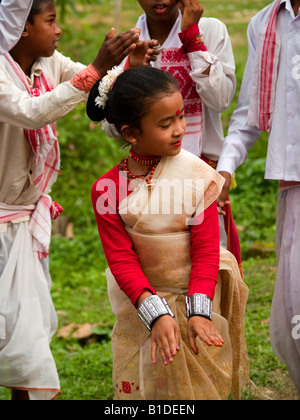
(152, 308)
(198, 305)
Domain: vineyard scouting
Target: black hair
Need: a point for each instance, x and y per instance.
(37, 8)
(132, 95)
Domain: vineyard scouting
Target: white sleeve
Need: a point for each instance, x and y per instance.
(216, 89)
(13, 15)
(241, 137)
(19, 109)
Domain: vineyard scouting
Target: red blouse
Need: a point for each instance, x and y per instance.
(124, 262)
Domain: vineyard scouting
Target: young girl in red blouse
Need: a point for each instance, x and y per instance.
(158, 221)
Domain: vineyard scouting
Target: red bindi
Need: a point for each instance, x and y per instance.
(178, 112)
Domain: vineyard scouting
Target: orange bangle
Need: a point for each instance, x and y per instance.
(86, 79)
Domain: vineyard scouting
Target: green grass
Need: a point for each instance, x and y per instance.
(78, 265)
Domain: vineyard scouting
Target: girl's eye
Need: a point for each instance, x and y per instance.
(166, 126)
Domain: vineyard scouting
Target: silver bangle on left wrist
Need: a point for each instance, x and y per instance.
(198, 305)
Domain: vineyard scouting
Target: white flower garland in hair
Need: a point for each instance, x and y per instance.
(106, 84)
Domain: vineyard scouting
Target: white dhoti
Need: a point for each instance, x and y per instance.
(27, 317)
(285, 312)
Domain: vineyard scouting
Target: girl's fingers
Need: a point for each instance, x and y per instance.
(177, 338)
(153, 352)
(193, 343)
(205, 330)
(168, 350)
(214, 336)
(165, 338)
(206, 339)
(217, 341)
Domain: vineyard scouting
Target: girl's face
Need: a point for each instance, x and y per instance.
(160, 9)
(163, 128)
(44, 34)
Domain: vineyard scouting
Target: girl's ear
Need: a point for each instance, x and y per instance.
(129, 134)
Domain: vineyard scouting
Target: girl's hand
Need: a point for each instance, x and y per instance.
(166, 338)
(205, 330)
(144, 53)
(192, 12)
(114, 49)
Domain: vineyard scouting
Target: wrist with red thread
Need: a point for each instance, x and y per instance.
(192, 40)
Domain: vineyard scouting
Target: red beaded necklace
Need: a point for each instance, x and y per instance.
(130, 175)
(144, 160)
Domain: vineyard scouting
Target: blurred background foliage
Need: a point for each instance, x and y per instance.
(66, 7)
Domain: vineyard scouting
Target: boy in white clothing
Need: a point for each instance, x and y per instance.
(269, 101)
(38, 86)
(198, 52)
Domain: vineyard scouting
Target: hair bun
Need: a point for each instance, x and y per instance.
(94, 112)
(104, 87)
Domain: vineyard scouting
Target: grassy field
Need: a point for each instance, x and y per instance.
(77, 265)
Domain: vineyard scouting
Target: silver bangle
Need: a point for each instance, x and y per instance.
(198, 305)
(152, 308)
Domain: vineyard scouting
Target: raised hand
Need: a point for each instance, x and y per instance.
(192, 12)
(144, 53)
(114, 49)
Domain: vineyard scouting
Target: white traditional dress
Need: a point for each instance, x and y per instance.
(269, 100)
(29, 165)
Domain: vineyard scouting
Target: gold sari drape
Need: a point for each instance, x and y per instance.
(162, 242)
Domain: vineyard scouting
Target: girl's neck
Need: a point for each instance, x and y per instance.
(137, 169)
(140, 165)
(160, 30)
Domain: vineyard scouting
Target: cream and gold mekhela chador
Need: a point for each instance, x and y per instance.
(162, 242)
